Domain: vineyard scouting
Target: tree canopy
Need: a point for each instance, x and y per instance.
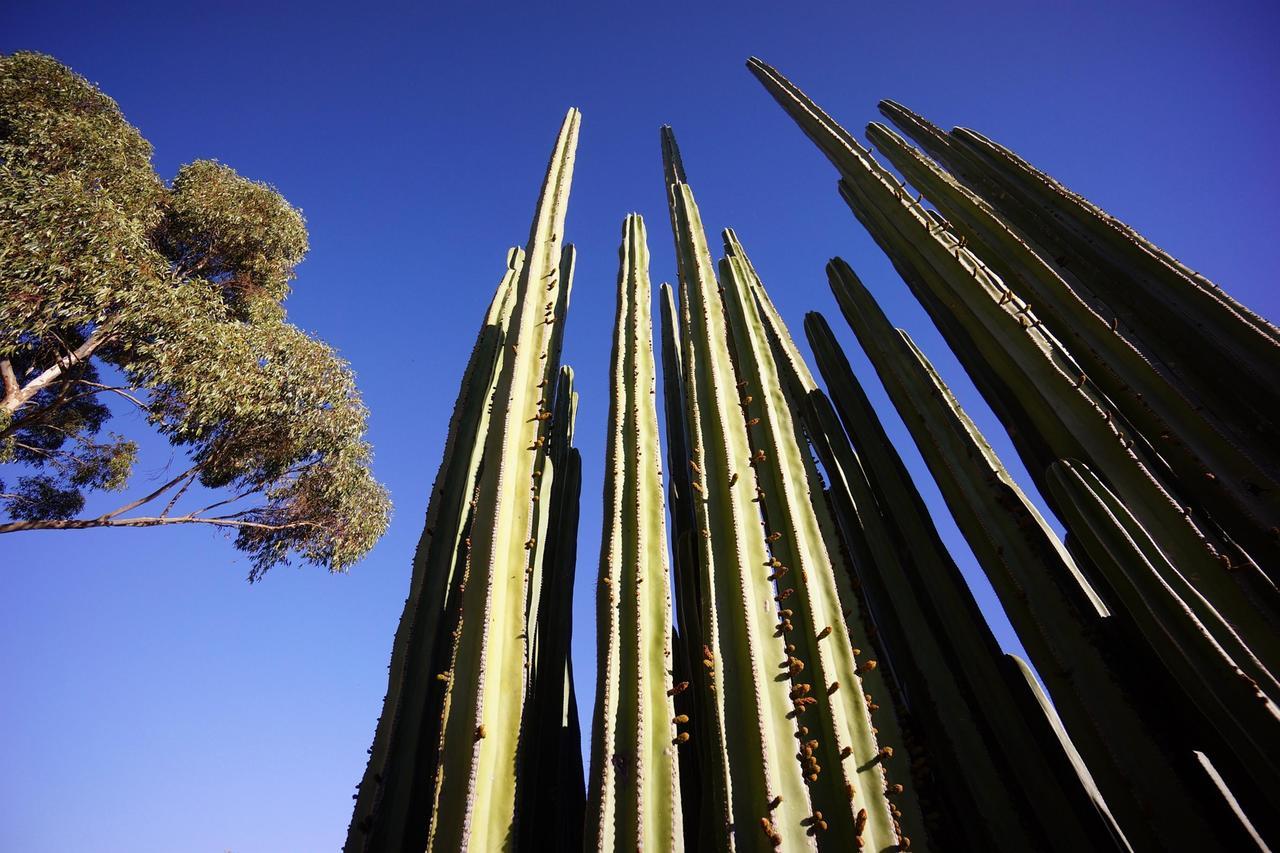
(117, 287)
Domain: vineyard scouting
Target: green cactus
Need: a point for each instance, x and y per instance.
(1059, 617)
(756, 787)
(553, 795)
(824, 601)
(776, 654)
(1032, 383)
(1240, 494)
(1152, 625)
(442, 775)
(1232, 701)
(989, 744)
(474, 806)
(398, 774)
(1184, 323)
(635, 788)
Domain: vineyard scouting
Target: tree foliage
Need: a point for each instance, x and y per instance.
(167, 298)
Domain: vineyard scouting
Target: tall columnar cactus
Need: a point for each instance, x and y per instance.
(552, 795)
(1060, 619)
(806, 540)
(1229, 699)
(986, 743)
(402, 758)
(1239, 494)
(1188, 326)
(475, 645)
(635, 788)
(1035, 386)
(985, 737)
(776, 653)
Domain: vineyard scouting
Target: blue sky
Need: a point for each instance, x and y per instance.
(152, 700)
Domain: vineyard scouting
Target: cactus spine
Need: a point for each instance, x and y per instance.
(635, 790)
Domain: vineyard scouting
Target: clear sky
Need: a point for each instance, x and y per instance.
(151, 700)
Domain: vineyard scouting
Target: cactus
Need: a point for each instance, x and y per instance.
(553, 796)
(1061, 620)
(1241, 495)
(989, 743)
(442, 772)
(688, 640)
(393, 784)
(1030, 380)
(1152, 625)
(635, 789)
(1184, 323)
(1228, 698)
(805, 540)
(950, 661)
(777, 656)
(747, 718)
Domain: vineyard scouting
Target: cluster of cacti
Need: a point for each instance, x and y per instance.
(827, 680)
(1154, 626)
(768, 614)
(480, 722)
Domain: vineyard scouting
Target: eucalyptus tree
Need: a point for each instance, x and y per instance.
(117, 286)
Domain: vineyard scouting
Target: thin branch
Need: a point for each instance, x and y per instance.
(143, 500)
(191, 478)
(123, 391)
(243, 494)
(144, 521)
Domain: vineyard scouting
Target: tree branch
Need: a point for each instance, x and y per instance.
(191, 478)
(123, 391)
(144, 521)
(205, 509)
(9, 378)
(19, 398)
(143, 500)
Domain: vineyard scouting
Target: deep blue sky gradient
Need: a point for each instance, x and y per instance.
(151, 699)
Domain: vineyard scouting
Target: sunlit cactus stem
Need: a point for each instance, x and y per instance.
(822, 618)
(403, 756)
(755, 794)
(444, 774)
(779, 668)
(635, 787)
